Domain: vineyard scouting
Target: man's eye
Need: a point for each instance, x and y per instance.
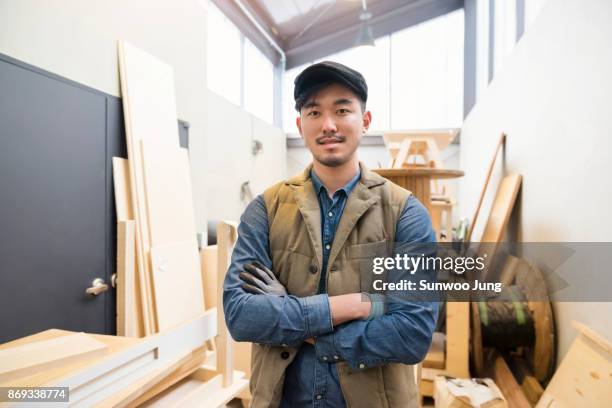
(313, 113)
(343, 111)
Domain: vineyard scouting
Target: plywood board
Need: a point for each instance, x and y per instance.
(169, 196)
(147, 85)
(501, 208)
(149, 108)
(108, 376)
(27, 359)
(208, 258)
(227, 233)
(177, 283)
(584, 377)
(499, 216)
(114, 344)
(123, 197)
(129, 320)
(435, 355)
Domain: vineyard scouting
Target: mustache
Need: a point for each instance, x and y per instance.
(334, 138)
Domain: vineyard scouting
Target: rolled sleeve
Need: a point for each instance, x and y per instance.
(318, 315)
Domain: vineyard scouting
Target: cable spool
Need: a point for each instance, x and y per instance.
(525, 322)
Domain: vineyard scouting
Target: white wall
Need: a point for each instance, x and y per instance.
(77, 39)
(230, 162)
(552, 98)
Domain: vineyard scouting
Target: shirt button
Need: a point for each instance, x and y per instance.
(313, 268)
(324, 358)
(284, 345)
(319, 396)
(285, 355)
(327, 246)
(361, 365)
(336, 357)
(330, 214)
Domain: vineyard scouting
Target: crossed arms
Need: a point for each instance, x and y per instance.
(335, 324)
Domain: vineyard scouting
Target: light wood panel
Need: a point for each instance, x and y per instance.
(129, 320)
(499, 216)
(169, 196)
(177, 283)
(121, 181)
(227, 233)
(584, 377)
(27, 359)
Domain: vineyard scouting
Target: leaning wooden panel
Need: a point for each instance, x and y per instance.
(149, 107)
(123, 197)
(129, 320)
(584, 377)
(177, 283)
(227, 234)
(499, 216)
(27, 359)
(130, 313)
(169, 196)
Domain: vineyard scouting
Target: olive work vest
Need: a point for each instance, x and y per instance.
(365, 230)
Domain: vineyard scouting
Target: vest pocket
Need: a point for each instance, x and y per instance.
(362, 258)
(296, 272)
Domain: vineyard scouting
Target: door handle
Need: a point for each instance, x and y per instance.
(98, 286)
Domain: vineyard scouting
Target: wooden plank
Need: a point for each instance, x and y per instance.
(156, 382)
(457, 339)
(498, 218)
(435, 355)
(128, 308)
(227, 233)
(204, 388)
(177, 283)
(501, 208)
(27, 359)
(500, 144)
(532, 389)
(168, 193)
(402, 154)
(208, 261)
(584, 377)
(208, 258)
(501, 374)
(94, 383)
(149, 107)
(121, 181)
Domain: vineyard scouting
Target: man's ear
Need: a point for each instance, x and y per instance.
(367, 119)
(298, 123)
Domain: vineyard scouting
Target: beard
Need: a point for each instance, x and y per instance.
(334, 159)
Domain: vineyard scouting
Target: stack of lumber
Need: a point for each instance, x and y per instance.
(162, 285)
(164, 328)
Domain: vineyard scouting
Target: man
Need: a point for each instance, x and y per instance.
(295, 283)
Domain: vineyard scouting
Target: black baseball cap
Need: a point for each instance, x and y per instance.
(322, 74)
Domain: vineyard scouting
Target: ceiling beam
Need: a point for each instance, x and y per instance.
(248, 29)
(388, 17)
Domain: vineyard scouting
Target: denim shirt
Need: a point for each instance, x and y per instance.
(311, 380)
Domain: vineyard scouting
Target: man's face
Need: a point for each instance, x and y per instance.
(332, 123)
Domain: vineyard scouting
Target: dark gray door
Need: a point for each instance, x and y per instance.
(55, 234)
(57, 206)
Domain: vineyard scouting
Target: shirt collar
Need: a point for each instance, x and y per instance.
(318, 184)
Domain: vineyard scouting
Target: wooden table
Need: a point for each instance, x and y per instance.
(418, 180)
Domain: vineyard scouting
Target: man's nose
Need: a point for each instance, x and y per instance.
(329, 124)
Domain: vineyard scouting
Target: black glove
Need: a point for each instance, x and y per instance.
(259, 280)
